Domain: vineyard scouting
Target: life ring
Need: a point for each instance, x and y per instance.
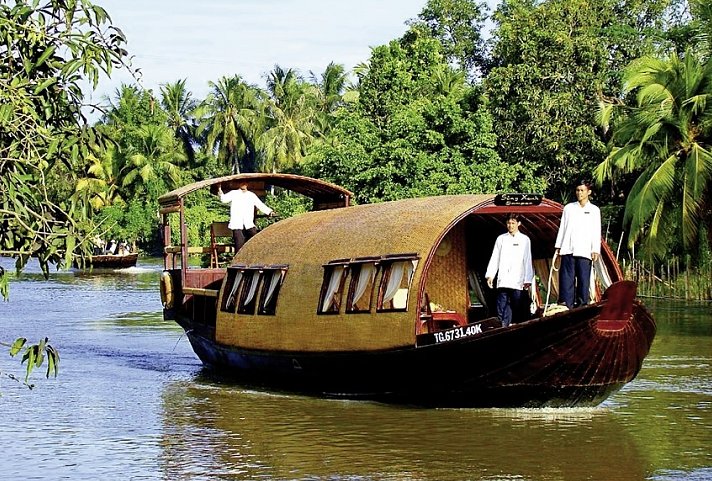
(167, 290)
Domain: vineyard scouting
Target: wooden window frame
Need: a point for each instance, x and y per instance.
(249, 308)
(387, 265)
(350, 309)
(230, 288)
(271, 309)
(339, 293)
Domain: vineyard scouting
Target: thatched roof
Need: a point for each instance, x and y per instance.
(404, 226)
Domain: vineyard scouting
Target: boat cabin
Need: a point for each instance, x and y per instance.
(361, 277)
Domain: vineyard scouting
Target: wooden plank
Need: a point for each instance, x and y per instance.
(191, 250)
(197, 291)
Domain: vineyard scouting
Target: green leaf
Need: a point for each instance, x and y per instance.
(44, 85)
(31, 358)
(50, 50)
(52, 361)
(17, 346)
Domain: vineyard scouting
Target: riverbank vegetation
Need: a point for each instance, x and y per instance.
(613, 90)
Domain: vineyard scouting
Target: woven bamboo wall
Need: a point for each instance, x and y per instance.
(446, 284)
(308, 241)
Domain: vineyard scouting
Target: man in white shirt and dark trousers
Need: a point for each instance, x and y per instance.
(242, 213)
(511, 262)
(578, 243)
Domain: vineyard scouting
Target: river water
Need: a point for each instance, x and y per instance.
(132, 402)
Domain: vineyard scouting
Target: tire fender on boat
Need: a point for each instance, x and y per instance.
(167, 290)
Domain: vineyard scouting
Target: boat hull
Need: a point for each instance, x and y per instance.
(113, 261)
(570, 359)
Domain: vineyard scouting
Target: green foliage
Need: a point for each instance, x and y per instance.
(458, 25)
(291, 116)
(663, 134)
(134, 222)
(286, 204)
(416, 129)
(34, 356)
(179, 105)
(49, 49)
(552, 61)
(230, 118)
(4, 291)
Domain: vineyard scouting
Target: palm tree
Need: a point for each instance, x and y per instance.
(665, 138)
(702, 23)
(179, 106)
(290, 119)
(283, 86)
(231, 116)
(289, 134)
(102, 186)
(155, 159)
(330, 86)
(447, 81)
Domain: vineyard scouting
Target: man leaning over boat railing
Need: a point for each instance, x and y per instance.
(242, 213)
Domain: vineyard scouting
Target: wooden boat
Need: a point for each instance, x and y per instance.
(386, 302)
(113, 261)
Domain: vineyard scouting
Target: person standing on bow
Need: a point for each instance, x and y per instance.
(511, 262)
(242, 213)
(578, 243)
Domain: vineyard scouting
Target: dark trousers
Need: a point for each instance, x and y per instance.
(508, 301)
(240, 236)
(574, 276)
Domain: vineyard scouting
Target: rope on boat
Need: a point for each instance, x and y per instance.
(552, 269)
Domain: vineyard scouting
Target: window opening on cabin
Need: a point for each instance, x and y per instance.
(250, 281)
(332, 288)
(363, 276)
(232, 287)
(395, 285)
(270, 291)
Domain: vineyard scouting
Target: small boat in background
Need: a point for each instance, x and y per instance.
(113, 261)
(114, 255)
(388, 302)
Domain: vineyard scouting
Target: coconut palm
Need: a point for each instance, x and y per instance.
(702, 24)
(102, 186)
(290, 119)
(665, 138)
(284, 87)
(155, 159)
(179, 105)
(289, 134)
(231, 116)
(330, 86)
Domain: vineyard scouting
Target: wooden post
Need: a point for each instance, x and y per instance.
(668, 279)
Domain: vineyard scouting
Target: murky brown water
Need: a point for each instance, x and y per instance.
(132, 402)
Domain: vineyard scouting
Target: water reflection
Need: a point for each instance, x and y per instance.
(214, 429)
(132, 402)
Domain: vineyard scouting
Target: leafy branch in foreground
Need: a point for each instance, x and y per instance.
(34, 355)
(48, 50)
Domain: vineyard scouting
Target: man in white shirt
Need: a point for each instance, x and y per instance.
(242, 213)
(578, 243)
(511, 262)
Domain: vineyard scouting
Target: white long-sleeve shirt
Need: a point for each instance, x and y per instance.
(242, 208)
(511, 260)
(580, 230)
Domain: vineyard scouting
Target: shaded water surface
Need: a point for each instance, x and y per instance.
(132, 402)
